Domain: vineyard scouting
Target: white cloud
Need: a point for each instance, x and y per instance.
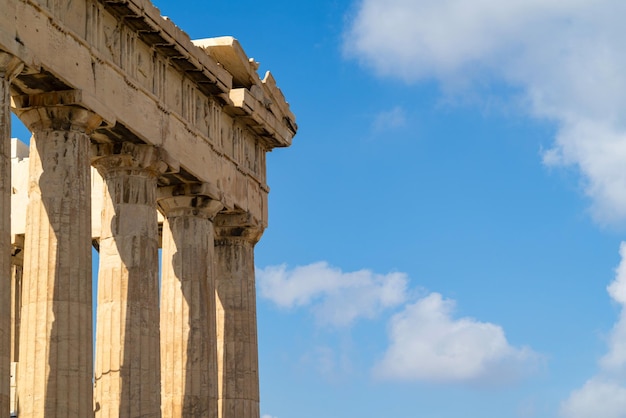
(427, 343)
(336, 297)
(597, 398)
(268, 416)
(415, 39)
(614, 362)
(566, 56)
(604, 395)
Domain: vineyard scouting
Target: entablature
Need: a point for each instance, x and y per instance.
(260, 102)
(204, 106)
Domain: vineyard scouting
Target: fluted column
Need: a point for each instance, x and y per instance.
(9, 68)
(127, 370)
(56, 350)
(17, 268)
(188, 336)
(237, 348)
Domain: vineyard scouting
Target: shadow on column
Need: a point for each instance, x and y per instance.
(68, 387)
(192, 266)
(135, 235)
(236, 292)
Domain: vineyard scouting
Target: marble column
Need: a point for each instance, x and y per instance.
(188, 336)
(127, 369)
(17, 267)
(237, 348)
(9, 68)
(56, 349)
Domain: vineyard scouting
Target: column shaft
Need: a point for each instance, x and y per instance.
(7, 70)
(127, 370)
(188, 335)
(56, 360)
(17, 268)
(236, 320)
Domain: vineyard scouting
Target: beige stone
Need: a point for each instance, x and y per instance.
(13, 408)
(127, 370)
(237, 344)
(56, 331)
(162, 117)
(17, 269)
(17, 261)
(188, 334)
(5, 242)
(9, 67)
(19, 179)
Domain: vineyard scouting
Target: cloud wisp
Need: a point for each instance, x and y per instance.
(426, 341)
(604, 395)
(337, 298)
(393, 118)
(565, 56)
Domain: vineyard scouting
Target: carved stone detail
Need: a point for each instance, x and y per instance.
(237, 345)
(188, 335)
(127, 370)
(56, 345)
(115, 84)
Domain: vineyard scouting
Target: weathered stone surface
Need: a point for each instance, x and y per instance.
(19, 199)
(17, 261)
(17, 268)
(127, 370)
(188, 336)
(5, 242)
(156, 109)
(9, 67)
(237, 344)
(130, 71)
(56, 331)
(14, 389)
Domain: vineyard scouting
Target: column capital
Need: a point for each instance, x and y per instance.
(127, 156)
(10, 66)
(190, 199)
(238, 225)
(59, 110)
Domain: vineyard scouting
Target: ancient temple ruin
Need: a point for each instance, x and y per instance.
(141, 139)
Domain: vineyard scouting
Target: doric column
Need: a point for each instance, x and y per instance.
(56, 350)
(188, 336)
(237, 348)
(17, 267)
(127, 370)
(9, 68)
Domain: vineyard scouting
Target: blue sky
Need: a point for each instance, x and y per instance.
(445, 231)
